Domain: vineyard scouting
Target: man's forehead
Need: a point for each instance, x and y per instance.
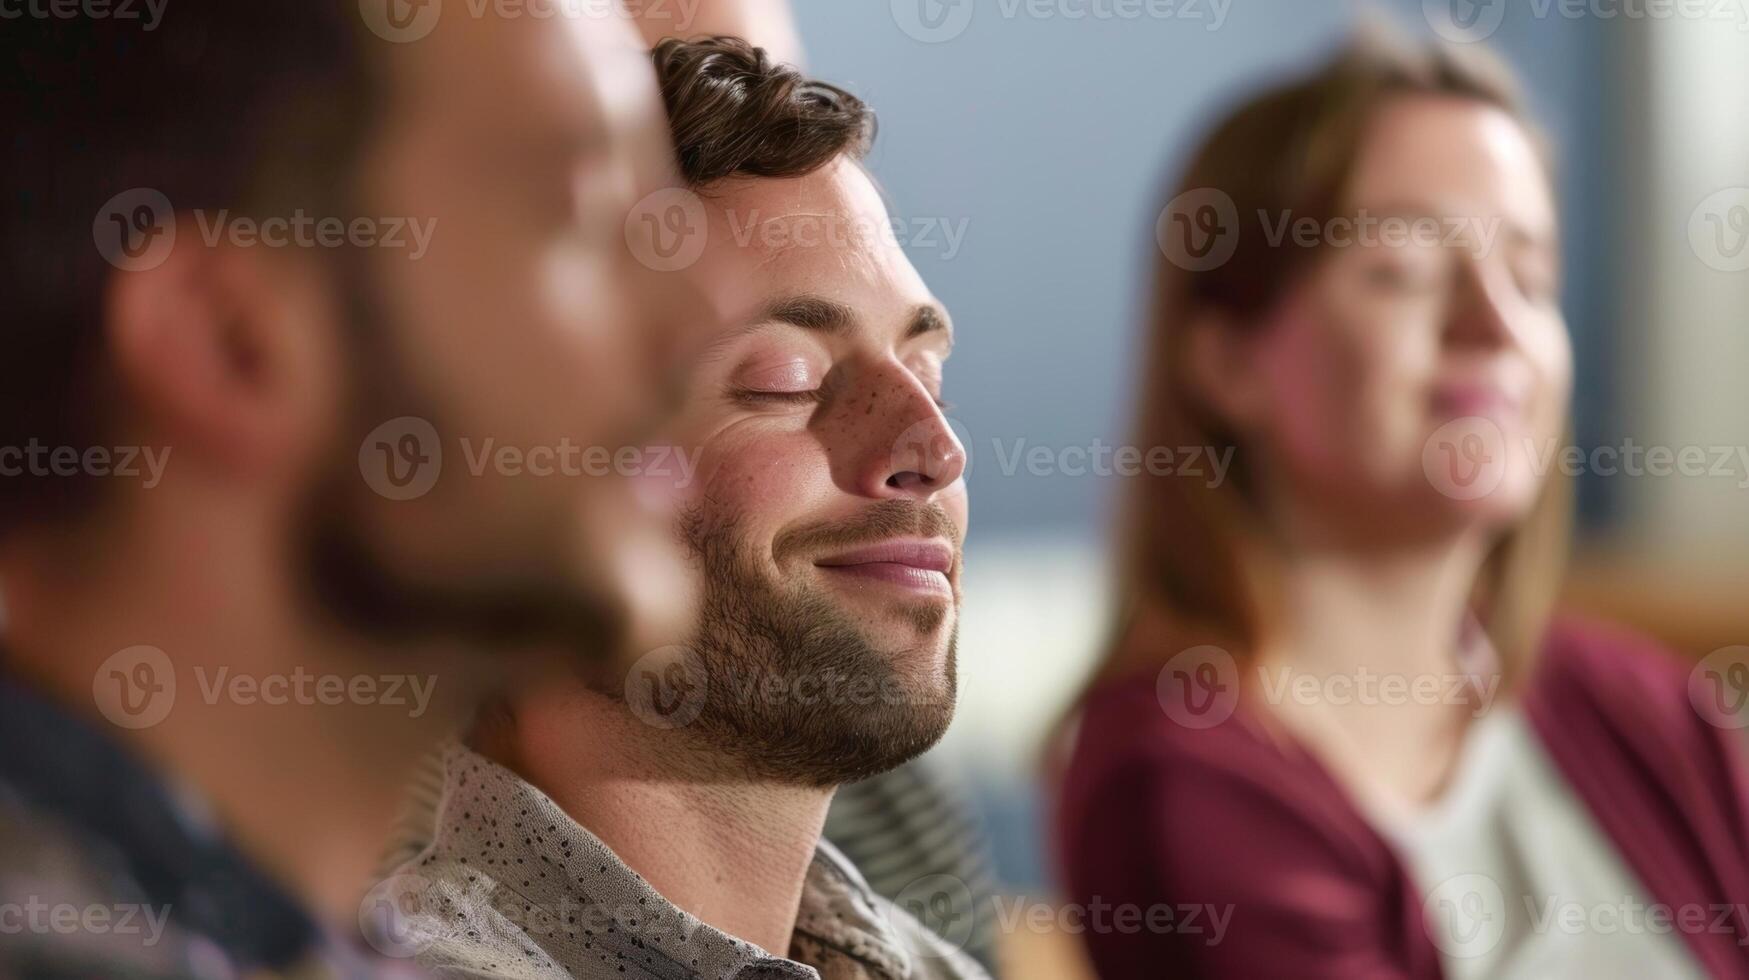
(842, 184)
(824, 232)
(808, 313)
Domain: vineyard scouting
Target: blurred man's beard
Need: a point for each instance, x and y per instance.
(796, 693)
(364, 590)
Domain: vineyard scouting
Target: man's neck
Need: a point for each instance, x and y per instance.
(732, 852)
(304, 777)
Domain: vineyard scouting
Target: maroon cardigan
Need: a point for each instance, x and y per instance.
(1155, 813)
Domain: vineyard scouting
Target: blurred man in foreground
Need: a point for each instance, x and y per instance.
(669, 825)
(308, 305)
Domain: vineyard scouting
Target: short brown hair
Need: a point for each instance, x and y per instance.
(734, 112)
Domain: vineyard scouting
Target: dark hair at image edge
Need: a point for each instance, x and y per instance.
(257, 107)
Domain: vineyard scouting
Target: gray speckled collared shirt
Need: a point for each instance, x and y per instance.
(510, 886)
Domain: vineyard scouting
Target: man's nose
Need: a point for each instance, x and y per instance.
(895, 442)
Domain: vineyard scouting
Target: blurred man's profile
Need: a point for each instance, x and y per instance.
(296, 297)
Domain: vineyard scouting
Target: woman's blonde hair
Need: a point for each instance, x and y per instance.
(1290, 150)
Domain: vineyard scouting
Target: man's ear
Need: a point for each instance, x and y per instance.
(230, 354)
(1224, 371)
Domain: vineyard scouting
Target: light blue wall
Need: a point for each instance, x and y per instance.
(1050, 140)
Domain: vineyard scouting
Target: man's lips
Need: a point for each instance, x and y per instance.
(918, 564)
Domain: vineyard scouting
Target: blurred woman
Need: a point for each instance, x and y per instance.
(1336, 734)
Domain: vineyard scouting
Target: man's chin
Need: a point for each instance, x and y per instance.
(862, 741)
(814, 682)
(900, 622)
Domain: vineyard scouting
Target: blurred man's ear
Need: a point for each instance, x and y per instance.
(231, 355)
(1223, 370)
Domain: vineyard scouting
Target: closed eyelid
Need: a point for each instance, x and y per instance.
(789, 374)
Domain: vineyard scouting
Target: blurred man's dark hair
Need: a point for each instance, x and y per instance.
(254, 107)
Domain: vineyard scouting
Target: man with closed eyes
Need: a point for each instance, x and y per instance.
(670, 825)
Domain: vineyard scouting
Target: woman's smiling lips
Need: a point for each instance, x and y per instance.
(1482, 399)
(915, 564)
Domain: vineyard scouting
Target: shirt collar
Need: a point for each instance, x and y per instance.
(592, 904)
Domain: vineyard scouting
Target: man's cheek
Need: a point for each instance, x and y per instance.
(958, 504)
(752, 476)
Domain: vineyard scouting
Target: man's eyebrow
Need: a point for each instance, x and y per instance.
(929, 319)
(830, 316)
(810, 313)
